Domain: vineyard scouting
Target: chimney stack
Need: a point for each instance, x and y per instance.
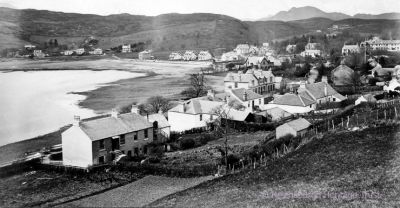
(245, 95)
(181, 107)
(325, 90)
(114, 113)
(135, 109)
(77, 120)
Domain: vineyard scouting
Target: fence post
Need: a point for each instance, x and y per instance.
(385, 113)
(348, 120)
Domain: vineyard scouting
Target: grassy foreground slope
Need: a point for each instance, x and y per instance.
(344, 169)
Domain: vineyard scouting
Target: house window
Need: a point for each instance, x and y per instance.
(201, 117)
(101, 160)
(236, 85)
(101, 144)
(135, 137)
(136, 151)
(122, 140)
(146, 133)
(334, 99)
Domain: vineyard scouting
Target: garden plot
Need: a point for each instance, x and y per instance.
(140, 193)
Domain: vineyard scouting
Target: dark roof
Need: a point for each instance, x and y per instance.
(113, 126)
(250, 94)
(300, 99)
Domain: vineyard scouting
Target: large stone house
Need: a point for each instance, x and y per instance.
(98, 141)
(378, 44)
(204, 56)
(189, 56)
(258, 81)
(349, 49)
(175, 56)
(242, 49)
(126, 48)
(257, 61)
(145, 55)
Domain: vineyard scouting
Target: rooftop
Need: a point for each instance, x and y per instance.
(110, 126)
(299, 124)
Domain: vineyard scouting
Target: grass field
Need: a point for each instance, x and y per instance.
(139, 193)
(355, 169)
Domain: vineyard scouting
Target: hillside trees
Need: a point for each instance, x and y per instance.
(197, 87)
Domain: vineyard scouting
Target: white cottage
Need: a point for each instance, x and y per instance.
(192, 114)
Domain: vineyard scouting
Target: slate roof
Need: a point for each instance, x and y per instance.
(236, 115)
(250, 94)
(197, 106)
(317, 90)
(300, 99)
(255, 60)
(299, 124)
(239, 77)
(106, 127)
(161, 120)
(261, 74)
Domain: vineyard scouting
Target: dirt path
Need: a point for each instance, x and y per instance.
(139, 193)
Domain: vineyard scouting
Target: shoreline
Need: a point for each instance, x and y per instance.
(165, 78)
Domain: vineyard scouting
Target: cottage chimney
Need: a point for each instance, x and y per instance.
(211, 94)
(324, 79)
(114, 113)
(77, 120)
(160, 112)
(181, 107)
(135, 109)
(325, 90)
(245, 95)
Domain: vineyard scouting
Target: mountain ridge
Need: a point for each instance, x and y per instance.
(166, 32)
(306, 12)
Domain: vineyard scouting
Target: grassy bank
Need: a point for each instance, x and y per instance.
(345, 169)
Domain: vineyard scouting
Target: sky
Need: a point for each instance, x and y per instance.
(241, 9)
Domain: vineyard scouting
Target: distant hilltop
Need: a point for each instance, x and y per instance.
(170, 32)
(299, 13)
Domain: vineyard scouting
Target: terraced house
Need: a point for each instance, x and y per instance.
(100, 140)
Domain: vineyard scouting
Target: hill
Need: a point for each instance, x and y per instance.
(307, 12)
(349, 169)
(394, 15)
(168, 32)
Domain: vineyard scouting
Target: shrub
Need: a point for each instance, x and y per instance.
(187, 143)
(232, 159)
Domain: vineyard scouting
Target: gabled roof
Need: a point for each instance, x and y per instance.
(250, 94)
(255, 60)
(106, 127)
(294, 100)
(239, 77)
(236, 115)
(261, 74)
(161, 120)
(197, 106)
(299, 124)
(317, 90)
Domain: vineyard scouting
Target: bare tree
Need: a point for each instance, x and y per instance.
(197, 86)
(221, 124)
